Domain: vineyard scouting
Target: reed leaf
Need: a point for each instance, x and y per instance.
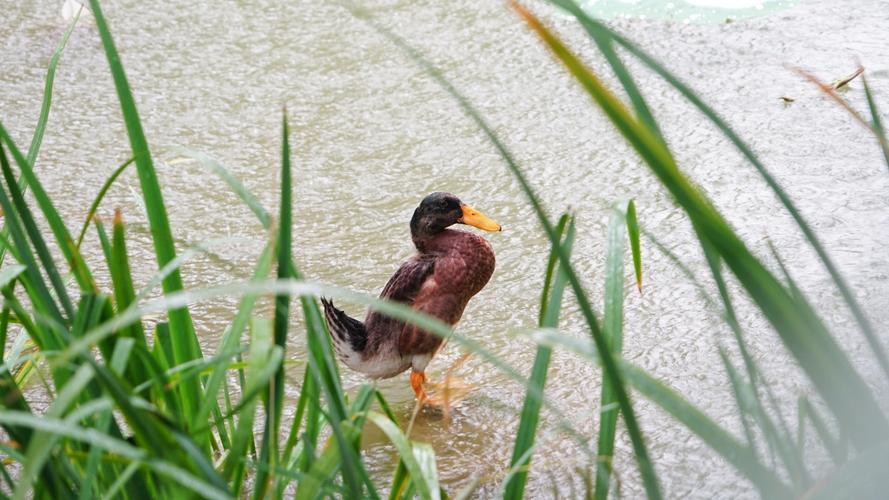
(56, 225)
(876, 122)
(862, 477)
(274, 399)
(800, 329)
(185, 344)
(551, 305)
(597, 29)
(32, 279)
(45, 106)
(121, 277)
(231, 338)
(613, 328)
(46, 103)
(635, 244)
(737, 454)
(33, 231)
(420, 465)
(263, 363)
(101, 196)
(645, 466)
(831, 444)
(117, 446)
(237, 187)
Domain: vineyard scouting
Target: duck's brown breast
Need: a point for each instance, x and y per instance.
(464, 263)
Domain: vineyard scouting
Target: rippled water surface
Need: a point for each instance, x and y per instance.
(372, 135)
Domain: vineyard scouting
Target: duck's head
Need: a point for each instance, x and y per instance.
(440, 210)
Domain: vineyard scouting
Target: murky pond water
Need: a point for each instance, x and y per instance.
(372, 135)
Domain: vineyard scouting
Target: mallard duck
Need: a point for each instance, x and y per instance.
(450, 267)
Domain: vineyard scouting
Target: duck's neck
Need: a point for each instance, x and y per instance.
(424, 231)
(425, 243)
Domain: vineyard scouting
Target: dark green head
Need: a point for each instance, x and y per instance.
(440, 210)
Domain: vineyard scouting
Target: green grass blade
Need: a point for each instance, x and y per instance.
(249, 199)
(185, 344)
(262, 366)
(400, 482)
(863, 477)
(274, 400)
(46, 104)
(876, 123)
(121, 277)
(551, 305)
(606, 47)
(231, 339)
(720, 440)
(831, 444)
(425, 482)
(613, 325)
(799, 327)
(596, 29)
(32, 279)
(160, 381)
(104, 242)
(550, 270)
(321, 364)
(322, 472)
(635, 246)
(313, 418)
(117, 446)
(741, 457)
(744, 399)
(610, 365)
(101, 196)
(777, 442)
(60, 232)
(30, 225)
(305, 455)
(801, 426)
(121, 481)
(282, 301)
(42, 442)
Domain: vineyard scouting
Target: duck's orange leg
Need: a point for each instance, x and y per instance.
(417, 380)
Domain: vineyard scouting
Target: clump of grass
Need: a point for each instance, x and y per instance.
(137, 411)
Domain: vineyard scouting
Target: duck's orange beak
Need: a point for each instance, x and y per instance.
(477, 219)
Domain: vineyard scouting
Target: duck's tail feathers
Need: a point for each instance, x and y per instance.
(348, 334)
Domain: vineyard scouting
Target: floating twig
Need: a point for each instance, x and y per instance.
(839, 84)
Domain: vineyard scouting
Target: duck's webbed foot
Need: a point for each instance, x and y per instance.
(417, 381)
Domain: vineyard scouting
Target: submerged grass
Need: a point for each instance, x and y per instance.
(138, 412)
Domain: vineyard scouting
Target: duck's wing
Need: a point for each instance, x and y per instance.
(402, 287)
(431, 299)
(406, 283)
